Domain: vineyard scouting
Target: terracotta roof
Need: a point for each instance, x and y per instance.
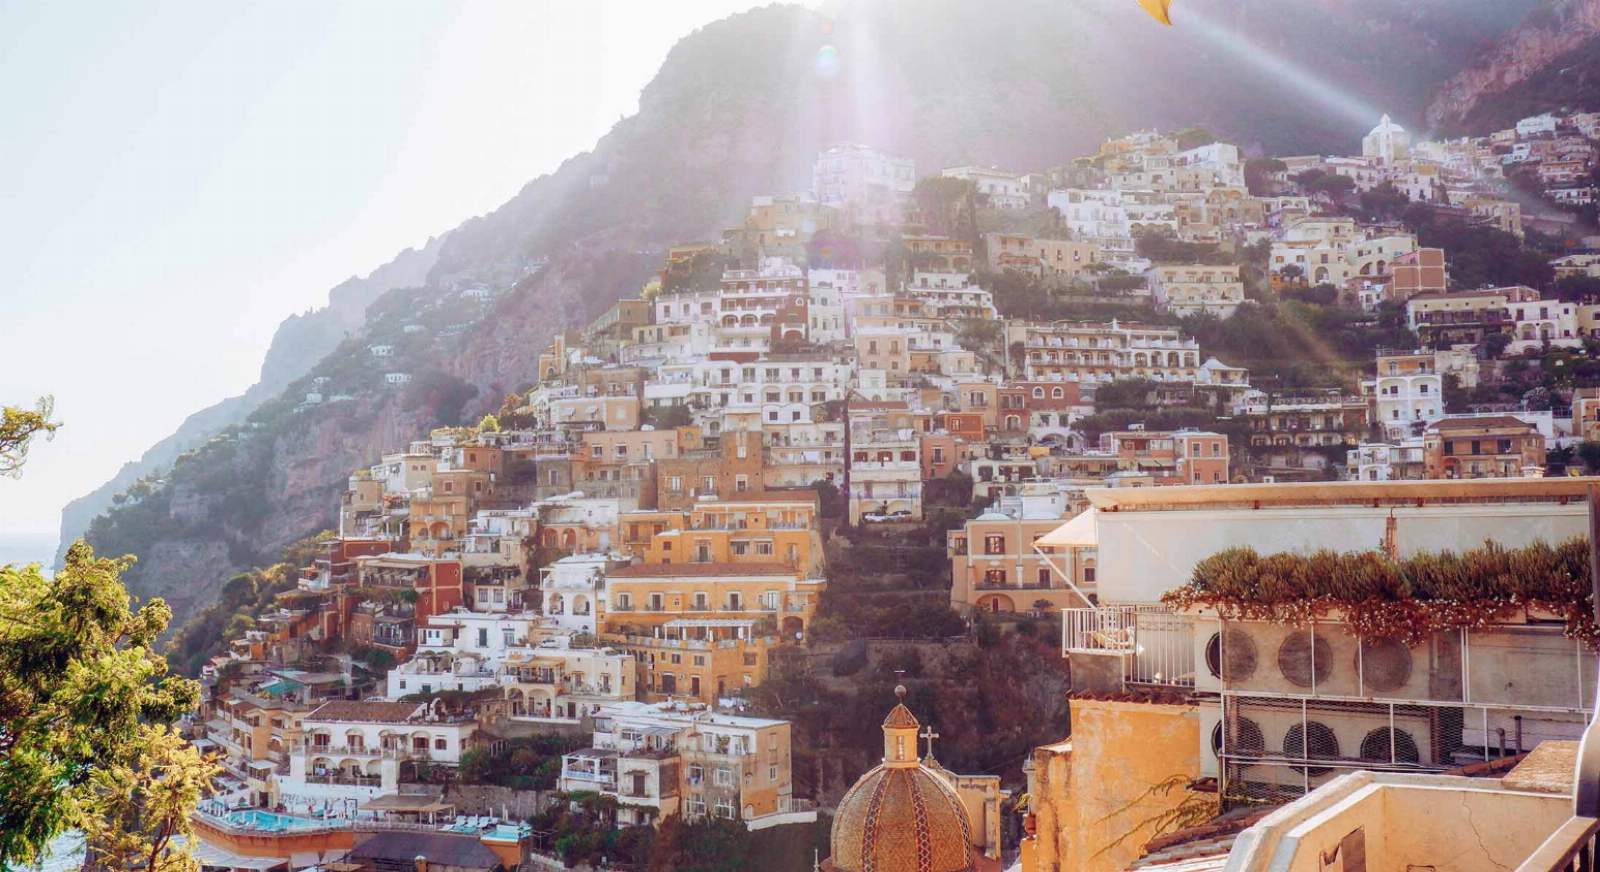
(902, 820)
(366, 712)
(697, 570)
(1480, 423)
(465, 852)
(901, 717)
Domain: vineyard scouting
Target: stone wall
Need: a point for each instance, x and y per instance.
(488, 799)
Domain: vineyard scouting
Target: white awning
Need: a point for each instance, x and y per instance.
(1080, 532)
(218, 857)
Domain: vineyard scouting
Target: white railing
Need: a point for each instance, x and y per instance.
(1156, 644)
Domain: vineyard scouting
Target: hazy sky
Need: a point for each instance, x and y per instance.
(176, 178)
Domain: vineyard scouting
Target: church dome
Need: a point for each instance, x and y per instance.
(1386, 125)
(901, 816)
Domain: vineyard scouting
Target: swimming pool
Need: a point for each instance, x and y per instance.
(267, 821)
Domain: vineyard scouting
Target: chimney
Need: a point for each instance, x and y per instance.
(421, 863)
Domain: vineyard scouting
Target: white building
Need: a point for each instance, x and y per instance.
(1388, 142)
(863, 178)
(1004, 190)
(462, 650)
(351, 751)
(1274, 693)
(1535, 125)
(1092, 214)
(556, 683)
(1407, 394)
(1536, 323)
(574, 590)
(676, 758)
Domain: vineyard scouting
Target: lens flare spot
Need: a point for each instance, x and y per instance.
(827, 63)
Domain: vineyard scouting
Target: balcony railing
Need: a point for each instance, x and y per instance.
(346, 780)
(1155, 643)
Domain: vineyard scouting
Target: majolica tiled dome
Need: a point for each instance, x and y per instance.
(901, 816)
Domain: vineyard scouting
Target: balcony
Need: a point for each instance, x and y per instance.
(1155, 644)
(352, 751)
(342, 779)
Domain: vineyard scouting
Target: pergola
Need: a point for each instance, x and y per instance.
(417, 807)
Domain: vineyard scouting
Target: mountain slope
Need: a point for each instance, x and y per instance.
(1570, 81)
(1523, 70)
(741, 107)
(299, 342)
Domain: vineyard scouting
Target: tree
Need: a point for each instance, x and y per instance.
(667, 417)
(140, 806)
(1194, 137)
(1258, 173)
(83, 703)
(1384, 202)
(1589, 453)
(18, 427)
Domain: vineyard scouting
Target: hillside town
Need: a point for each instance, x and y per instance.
(563, 615)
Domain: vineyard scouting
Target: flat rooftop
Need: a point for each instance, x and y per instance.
(1328, 493)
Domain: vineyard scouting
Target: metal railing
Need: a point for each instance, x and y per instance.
(1157, 644)
(355, 780)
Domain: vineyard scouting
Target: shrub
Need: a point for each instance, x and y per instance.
(1409, 599)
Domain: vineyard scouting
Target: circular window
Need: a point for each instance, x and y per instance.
(1313, 741)
(1231, 656)
(1385, 745)
(1385, 665)
(1305, 659)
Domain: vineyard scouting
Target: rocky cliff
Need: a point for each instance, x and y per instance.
(1550, 33)
(741, 107)
(299, 342)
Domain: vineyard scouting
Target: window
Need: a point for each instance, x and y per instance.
(994, 544)
(440, 744)
(723, 777)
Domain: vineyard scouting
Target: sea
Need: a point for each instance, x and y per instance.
(64, 855)
(28, 548)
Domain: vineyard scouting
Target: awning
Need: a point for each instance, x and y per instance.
(1080, 532)
(217, 857)
(415, 803)
(309, 859)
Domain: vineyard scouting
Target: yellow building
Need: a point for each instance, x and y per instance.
(649, 596)
(703, 659)
(762, 530)
(1096, 798)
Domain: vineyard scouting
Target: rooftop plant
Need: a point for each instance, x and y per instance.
(1409, 598)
